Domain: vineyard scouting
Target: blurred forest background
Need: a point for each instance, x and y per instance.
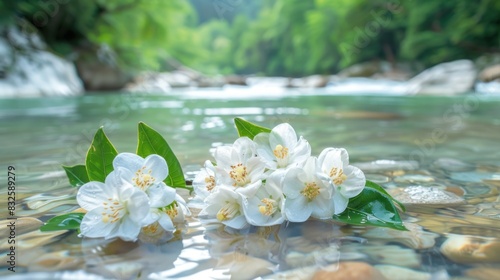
(267, 37)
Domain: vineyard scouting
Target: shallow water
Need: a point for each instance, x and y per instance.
(446, 143)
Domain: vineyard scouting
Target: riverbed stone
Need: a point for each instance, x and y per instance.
(450, 78)
(22, 225)
(415, 196)
(471, 249)
(415, 237)
(483, 273)
(387, 165)
(392, 272)
(35, 71)
(349, 271)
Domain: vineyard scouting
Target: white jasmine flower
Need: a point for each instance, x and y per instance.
(306, 193)
(265, 207)
(206, 181)
(347, 180)
(241, 168)
(115, 208)
(144, 173)
(280, 148)
(225, 206)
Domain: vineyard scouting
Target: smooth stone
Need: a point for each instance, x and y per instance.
(56, 261)
(349, 271)
(426, 196)
(321, 256)
(471, 249)
(387, 165)
(415, 237)
(23, 225)
(413, 178)
(376, 178)
(304, 273)
(490, 73)
(454, 165)
(483, 273)
(242, 266)
(392, 254)
(474, 177)
(392, 272)
(32, 239)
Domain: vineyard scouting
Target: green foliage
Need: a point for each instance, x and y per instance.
(100, 156)
(371, 208)
(270, 37)
(151, 142)
(68, 221)
(77, 175)
(248, 129)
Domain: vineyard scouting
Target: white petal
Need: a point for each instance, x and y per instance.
(354, 183)
(329, 158)
(222, 156)
(250, 189)
(301, 152)
(93, 226)
(166, 223)
(339, 203)
(321, 208)
(93, 194)
(238, 222)
(127, 230)
(119, 177)
(264, 150)
(138, 205)
(245, 148)
(283, 134)
(297, 210)
(158, 167)
(292, 186)
(129, 161)
(160, 195)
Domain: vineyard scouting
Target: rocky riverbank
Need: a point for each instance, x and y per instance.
(28, 69)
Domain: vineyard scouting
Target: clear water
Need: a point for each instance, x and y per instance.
(399, 141)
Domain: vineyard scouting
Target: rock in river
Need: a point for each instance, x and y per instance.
(414, 196)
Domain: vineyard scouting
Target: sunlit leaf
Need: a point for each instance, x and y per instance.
(151, 142)
(248, 129)
(99, 161)
(370, 184)
(371, 208)
(67, 221)
(77, 175)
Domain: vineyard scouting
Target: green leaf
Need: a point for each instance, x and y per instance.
(370, 184)
(151, 142)
(77, 175)
(66, 221)
(99, 161)
(371, 208)
(246, 128)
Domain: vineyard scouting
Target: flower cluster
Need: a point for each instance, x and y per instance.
(274, 178)
(133, 199)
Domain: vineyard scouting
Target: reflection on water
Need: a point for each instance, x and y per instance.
(448, 144)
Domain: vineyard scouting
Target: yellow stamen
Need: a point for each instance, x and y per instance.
(143, 180)
(229, 211)
(210, 181)
(239, 174)
(310, 191)
(280, 152)
(112, 214)
(269, 206)
(338, 176)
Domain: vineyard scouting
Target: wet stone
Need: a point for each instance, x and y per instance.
(483, 273)
(392, 272)
(471, 249)
(349, 271)
(454, 165)
(415, 237)
(413, 178)
(387, 165)
(426, 196)
(23, 225)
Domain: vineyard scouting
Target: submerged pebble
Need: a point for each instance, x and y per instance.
(471, 249)
(23, 225)
(415, 237)
(413, 178)
(426, 196)
(392, 272)
(349, 271)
